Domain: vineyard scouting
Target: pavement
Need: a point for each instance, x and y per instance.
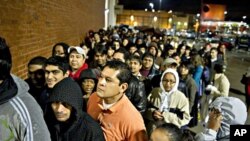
(238, 62)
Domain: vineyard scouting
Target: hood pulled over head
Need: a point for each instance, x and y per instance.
(68, 91)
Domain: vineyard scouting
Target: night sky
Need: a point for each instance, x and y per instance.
(235, 8)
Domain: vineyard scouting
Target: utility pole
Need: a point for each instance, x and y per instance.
(160, 5)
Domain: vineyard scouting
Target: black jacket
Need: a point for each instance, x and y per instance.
(82, 129)
(80, 126)
(35, 92)
(137, 94)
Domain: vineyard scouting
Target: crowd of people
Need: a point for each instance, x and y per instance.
(116, 85)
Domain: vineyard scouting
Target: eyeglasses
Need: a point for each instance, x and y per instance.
(168, 81)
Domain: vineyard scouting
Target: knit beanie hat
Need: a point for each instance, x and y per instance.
(89, 74)
(67, 91)
(153, 44)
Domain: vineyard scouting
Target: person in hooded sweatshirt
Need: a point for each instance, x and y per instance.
(167, 104)
(65, 118)
(21, 118)
(224, 111)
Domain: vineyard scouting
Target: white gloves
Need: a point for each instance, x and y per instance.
(211, 88)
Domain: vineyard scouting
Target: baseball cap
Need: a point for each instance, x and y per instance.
(78, 50)
(169, 61)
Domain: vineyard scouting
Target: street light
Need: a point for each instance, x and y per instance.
(132, 18)
(151, 5)
(155, 18)
(160, 5)
(135, 23)
(170, 20)
(185, 24)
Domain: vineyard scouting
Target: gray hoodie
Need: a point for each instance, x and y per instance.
(21, 118)
(233, 111)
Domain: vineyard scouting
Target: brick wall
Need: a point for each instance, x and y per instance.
(32, 27)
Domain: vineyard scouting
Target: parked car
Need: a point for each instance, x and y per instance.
(191, 34)
(215, 41)
(243, 42)
(199, 43)
(228, 41)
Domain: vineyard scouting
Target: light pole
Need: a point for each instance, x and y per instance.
(151, 5)
(160, 5)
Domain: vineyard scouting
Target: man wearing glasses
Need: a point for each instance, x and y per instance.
(167, 104)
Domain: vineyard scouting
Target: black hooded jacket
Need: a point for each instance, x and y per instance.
(80, 126)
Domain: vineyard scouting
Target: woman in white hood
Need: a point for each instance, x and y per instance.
(167, 104)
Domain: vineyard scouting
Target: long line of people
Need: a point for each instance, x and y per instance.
(130, 83)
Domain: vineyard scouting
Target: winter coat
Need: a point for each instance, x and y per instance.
(137, 95)
(174, 101)
(222, 84)
(188, 87)
(80, 126)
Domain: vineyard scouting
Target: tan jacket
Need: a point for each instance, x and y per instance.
(178, 101)
(222, 84)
